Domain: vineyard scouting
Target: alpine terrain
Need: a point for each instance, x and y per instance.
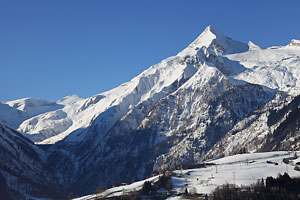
(217, 97)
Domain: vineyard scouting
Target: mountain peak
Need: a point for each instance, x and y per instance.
(217, 41)
(294, 43)
(251, 45)
(206, 38)
(211, 30)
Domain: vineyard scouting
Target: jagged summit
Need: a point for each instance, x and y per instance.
(207, 36)
(215, 41)
(211, 30)
(252, 46)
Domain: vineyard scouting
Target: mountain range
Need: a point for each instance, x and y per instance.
(217, 97)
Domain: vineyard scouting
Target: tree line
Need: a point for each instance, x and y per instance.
(282, 187)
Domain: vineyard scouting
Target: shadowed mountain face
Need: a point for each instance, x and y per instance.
(23, 173)
(206, 101)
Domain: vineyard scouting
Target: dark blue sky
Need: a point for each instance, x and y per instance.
(51, 49)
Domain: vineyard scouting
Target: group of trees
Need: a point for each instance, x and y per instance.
(163, 182)
(149, 189)
(282, 187)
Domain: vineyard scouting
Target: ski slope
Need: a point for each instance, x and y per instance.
(241, 169)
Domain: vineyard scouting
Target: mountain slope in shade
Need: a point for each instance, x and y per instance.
(22, 169)
(273, 127)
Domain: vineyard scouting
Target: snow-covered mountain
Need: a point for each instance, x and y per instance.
(15, 112)
(217, 96)
(181, 108)
(275, 67)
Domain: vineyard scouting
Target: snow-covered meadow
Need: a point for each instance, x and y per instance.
(241, 169)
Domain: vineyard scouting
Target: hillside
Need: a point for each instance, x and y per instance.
(23, 174)
(240, 169)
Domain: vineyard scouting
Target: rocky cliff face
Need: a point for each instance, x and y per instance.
(23, 174)
(273, 127)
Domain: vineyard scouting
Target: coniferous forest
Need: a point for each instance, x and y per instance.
(282, 187)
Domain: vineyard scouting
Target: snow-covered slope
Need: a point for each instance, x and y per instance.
(274, 68)
(172, 113)
(214, 42)
(120, 190)
(15, 112)
(46, 125)
(154, 83)
(240, 169)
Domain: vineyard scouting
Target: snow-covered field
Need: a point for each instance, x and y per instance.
(120, 190)
(241, 169)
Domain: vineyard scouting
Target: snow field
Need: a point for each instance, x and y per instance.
(241, 169)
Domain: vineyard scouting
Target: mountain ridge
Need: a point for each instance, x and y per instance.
(186, 108)
(211, 47)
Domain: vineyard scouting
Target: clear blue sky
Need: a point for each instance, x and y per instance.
(51, 49)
